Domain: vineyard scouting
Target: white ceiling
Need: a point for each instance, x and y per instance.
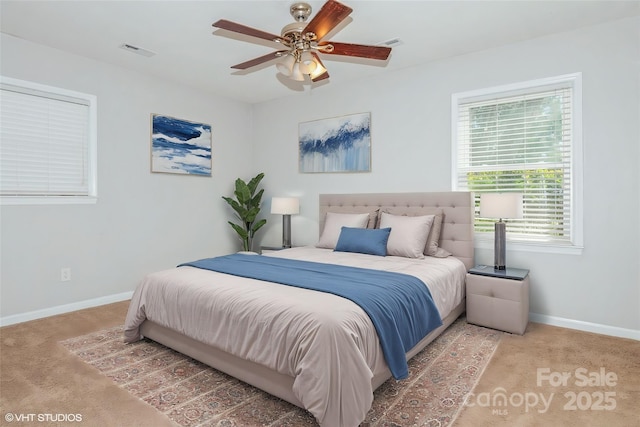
(188, 52)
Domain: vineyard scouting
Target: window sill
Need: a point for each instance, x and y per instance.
(485, 242)
(51, 200)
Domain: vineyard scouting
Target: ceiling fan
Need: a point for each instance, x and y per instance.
(303, 42)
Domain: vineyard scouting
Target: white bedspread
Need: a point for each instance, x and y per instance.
(445, 277)
(326, 343)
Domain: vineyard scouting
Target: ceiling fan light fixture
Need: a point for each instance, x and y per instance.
(319, 70)
(285, 66)
(307, 63)
(296, 74)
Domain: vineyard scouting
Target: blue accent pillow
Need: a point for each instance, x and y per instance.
(363, 240)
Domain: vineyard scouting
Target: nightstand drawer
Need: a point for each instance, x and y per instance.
(506, 289)
(498, 303)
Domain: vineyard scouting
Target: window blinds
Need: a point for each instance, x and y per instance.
(521, 143)
(44, 143)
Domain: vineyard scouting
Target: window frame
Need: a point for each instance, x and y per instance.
(574, 80)
(91, 145)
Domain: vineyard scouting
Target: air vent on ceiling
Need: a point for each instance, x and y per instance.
(391, 42)
(137, 50)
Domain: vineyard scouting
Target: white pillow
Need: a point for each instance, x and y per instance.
(433, 240)
(333, 224)
(408, 234)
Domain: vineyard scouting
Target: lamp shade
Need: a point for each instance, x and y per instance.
(501, 205)
(286, 65)
(285, 205)
(296, 73)
(307, 63)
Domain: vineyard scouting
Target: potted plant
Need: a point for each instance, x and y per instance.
(247, 207)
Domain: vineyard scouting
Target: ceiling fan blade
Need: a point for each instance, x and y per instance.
(243, 29)
(359, 50)
(322, 75)
(330, 15)
(257, 61)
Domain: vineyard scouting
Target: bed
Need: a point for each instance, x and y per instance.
(268, 335)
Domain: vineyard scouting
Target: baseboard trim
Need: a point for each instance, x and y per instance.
(66, 308)
(585, 326)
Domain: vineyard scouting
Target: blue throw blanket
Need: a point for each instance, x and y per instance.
(400, 306)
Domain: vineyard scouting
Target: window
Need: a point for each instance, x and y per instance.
(47, 144)
(524, 138)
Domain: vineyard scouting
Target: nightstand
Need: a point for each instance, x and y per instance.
(498, 299)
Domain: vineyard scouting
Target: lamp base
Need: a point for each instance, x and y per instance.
(286, 231)
(499, 248)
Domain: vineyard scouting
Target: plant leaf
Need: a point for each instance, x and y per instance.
(255, 201)
(243, 194)
(252, 214)
(239, 229)
(258, 224)
(254, 182)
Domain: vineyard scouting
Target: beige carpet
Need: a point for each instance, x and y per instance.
(40, 378)
(558, 377)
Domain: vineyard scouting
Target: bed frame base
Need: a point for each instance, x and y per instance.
(273, 382)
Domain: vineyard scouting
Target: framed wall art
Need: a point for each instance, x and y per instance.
(180, 146)
(338, 144)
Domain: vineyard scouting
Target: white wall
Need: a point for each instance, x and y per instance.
(598, 290)
(142, 222)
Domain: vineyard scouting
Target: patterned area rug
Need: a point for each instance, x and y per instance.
(193, 394)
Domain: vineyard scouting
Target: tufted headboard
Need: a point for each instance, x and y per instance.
(457, 207)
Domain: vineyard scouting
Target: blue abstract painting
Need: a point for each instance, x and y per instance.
(339, 144)
(180, 146)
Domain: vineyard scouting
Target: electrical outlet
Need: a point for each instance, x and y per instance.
(65, 274)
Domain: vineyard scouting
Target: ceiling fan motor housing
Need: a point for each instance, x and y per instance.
(292, 31)
(300, 11)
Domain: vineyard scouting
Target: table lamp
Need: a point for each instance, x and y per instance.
(285, 206)
(500, 205)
